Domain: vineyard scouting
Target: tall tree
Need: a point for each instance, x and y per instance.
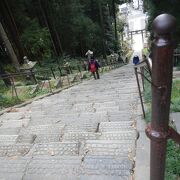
(9, 47)
(8, 21)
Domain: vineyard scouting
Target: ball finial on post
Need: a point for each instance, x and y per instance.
(164, 24)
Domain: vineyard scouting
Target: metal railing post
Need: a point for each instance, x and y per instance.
(162, 65)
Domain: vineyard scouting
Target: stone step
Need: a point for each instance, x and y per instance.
(14, 116)
(43, 129)
(72, 167)
(48, 138)
(120, 117)
(15, 150)
(15, 123)
(14, 168)
(8, 139)
(56, 149)
(87, 127)
(116, 126)
(111, 147)
(9, 131)
(80, 136)
(53, 166)
(13, 165)
(106, 165)
(120, 135)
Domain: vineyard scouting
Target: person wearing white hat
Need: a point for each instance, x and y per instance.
(89, 54)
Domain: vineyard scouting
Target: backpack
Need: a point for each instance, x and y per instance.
(93, 67)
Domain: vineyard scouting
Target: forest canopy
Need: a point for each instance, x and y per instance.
(52, 28)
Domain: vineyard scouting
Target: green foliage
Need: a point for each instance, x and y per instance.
(175, 98)
(173, 150)
(37, 40)
(172, 161)
(154, 8)
(51, 28)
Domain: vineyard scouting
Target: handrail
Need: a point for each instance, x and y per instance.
(162, 66)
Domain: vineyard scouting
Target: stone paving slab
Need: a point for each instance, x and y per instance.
(26, 138)
(106, 165)
(115, 126)
(14, 116)
(80, 136)
(119, 135)
(14, 150)
(15, 123)
(43, 129)
(53, 167)
(88, 127)
(9, 131)
(56, 149)
(8, 139)
(47, 138)
(13, 165)
(109, 148)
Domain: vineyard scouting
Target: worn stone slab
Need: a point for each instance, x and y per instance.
(111, 147)
(108, 109)
(15, 150)
(15, 123)
(43, 129)
(14, 116)
(13, 165)
(9, 131)
(26, 138)
(80, 136)
(121, 117)
(106, 165)
(61, 167)
(47, 138)
(122, 135)
(88, 127)
(115, 126)
(11, 176)
(56, 149)
(8, 139)
(104, 104)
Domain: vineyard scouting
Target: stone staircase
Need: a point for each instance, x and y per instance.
(87, 132)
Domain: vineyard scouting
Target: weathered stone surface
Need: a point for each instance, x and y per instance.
(122, 135)
(15, 123)
(111, 147)
(8, 139)
(80, 136)
(13, 165)
(43, 129)
(103, 177)
(47, 138)
(54, 167)
(115, 126)
(15, 150)
(106, 165)
(88, 127)
(27, 138)
(56, 149)
(9, 131)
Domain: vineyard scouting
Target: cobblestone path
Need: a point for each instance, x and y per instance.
(87, 132)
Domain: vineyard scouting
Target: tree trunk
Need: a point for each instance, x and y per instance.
(54, 35)
(115, 24)
(9, 22)
(9, 47)
(102, 27)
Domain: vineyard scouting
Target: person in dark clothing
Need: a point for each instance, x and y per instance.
(93, 67)
(136, 60)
